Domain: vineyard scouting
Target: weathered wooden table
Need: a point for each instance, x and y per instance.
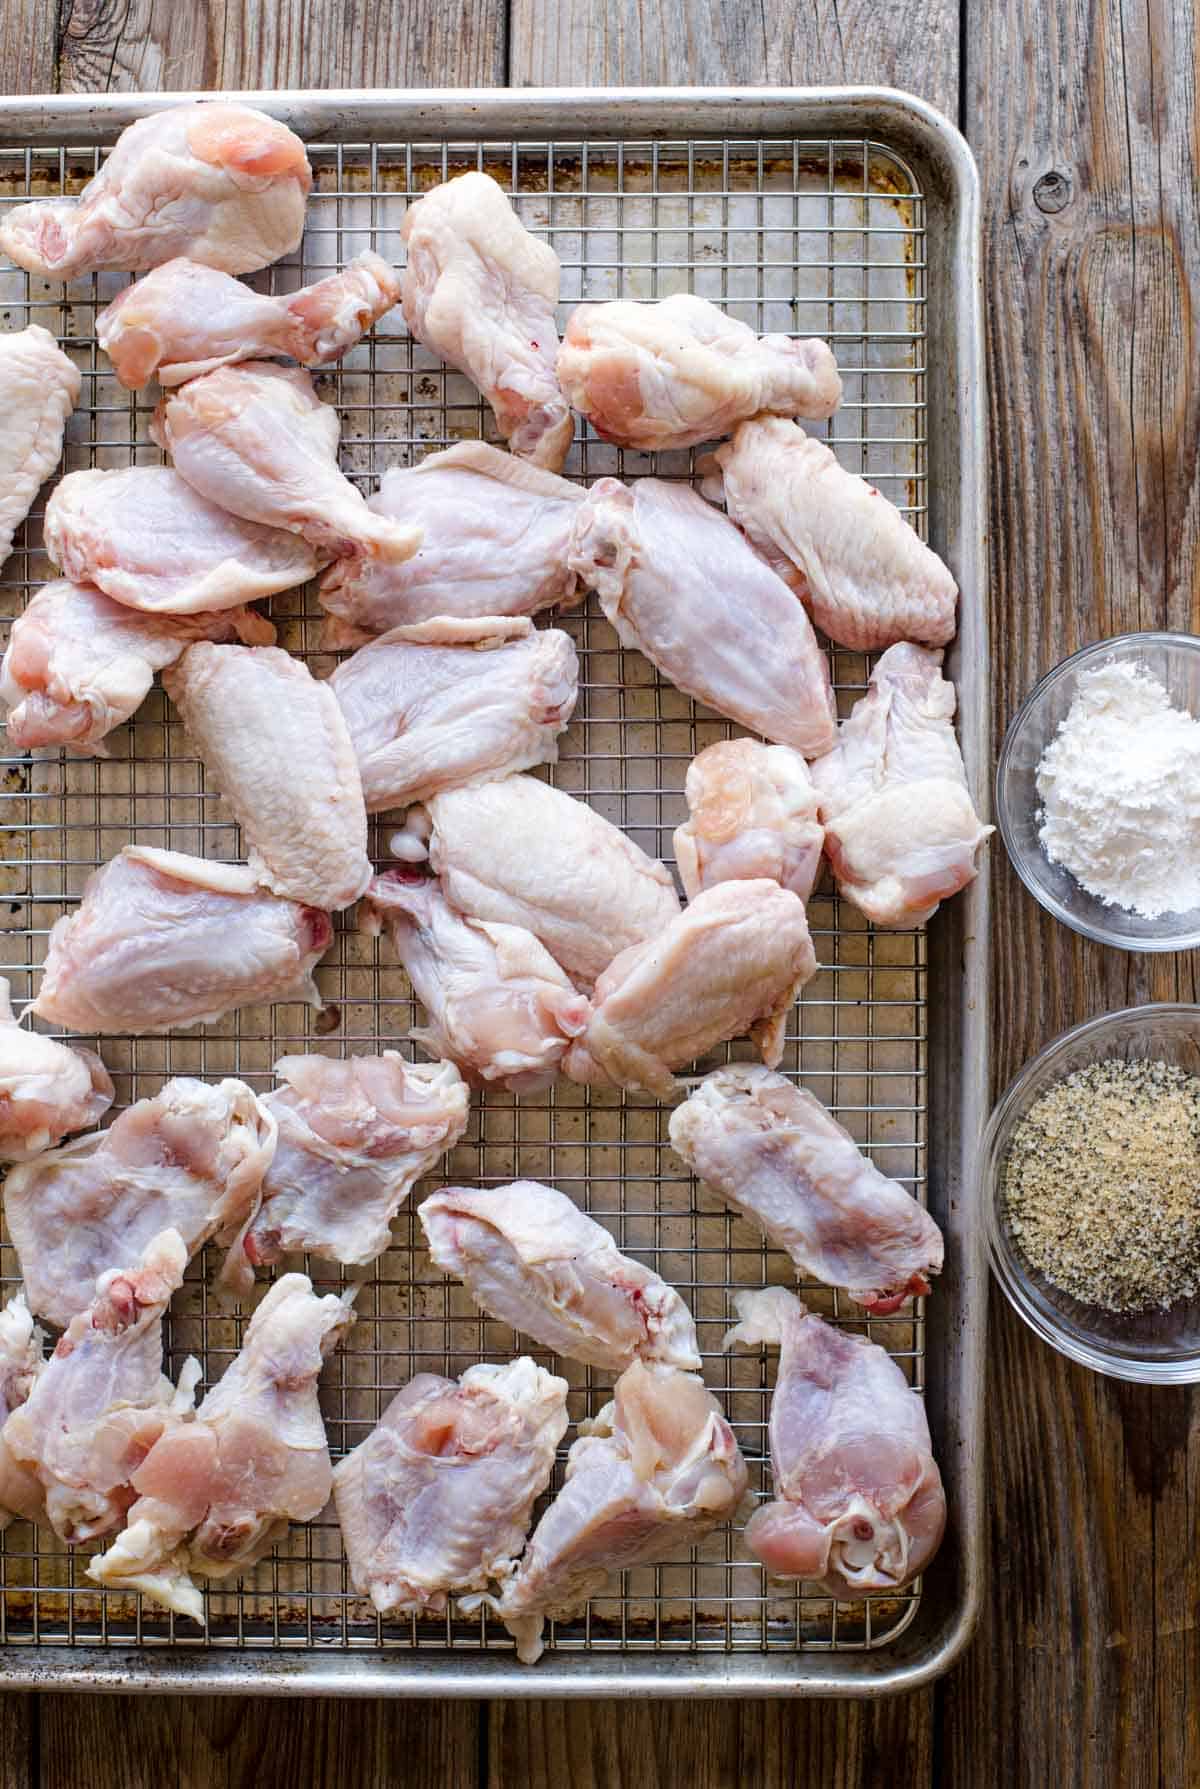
(1083, 116)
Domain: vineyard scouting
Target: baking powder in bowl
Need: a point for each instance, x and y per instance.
(1120, 790)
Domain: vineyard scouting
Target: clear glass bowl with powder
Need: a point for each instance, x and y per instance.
(1173, 660)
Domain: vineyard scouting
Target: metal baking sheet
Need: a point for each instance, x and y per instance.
(848, 215)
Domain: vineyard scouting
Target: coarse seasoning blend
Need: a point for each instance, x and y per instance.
(1102, 1185)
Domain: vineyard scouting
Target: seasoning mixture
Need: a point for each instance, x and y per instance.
(1120, 788)
(1102, 1185)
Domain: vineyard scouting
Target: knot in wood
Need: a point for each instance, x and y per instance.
(1052, 192)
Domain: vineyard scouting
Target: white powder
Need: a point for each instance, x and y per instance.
(1120, 787)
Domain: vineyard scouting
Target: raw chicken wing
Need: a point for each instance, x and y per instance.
(521, 853)
(451, 702)
(46, 1088)
(901, 831)
(276, 744)
(161, 940)
(772, 1152)
(859, 1506)
(753, 813)
(679, 583)
(655, 1471)
(437, 1499)
(149, 541)
(865, 576)
(680, 371)
(185, 319)
(220, 183)
(101, 1401)
(496, 1002)
(480, 291)
(732, 963)
(22, 1345)
(39, 388)
(533, 1260)
(354, 1138)
(78, 664)
(257, 440)
(496, 533)
(191, 1160)
(215, 1494)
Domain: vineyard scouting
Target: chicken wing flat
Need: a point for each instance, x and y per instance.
(752, 813)
(39, 388)
(46, 1088)
(22, 1351)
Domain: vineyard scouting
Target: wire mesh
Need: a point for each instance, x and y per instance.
(819, 237)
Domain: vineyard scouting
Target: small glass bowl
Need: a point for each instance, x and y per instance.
(1159, 1347)
(1174, 661)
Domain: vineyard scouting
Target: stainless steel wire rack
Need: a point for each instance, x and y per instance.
(822, 234)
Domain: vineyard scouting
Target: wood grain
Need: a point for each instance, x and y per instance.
(28, 41)
(18, 1727)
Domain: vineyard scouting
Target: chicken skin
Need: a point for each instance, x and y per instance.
(533, 1260)
(191, 1160)
(161, 940)
(22, 1347)
(276, 744)
(448, 703)
(859, 1507)
(354, 1138)
(677, 372)
(496, 1002)
(223, 184)
(185, 319)
(480, 291)
(901, 831)
(256, 439)
(39, 388)
(865, 576)
(437, 1499)
(215, 1494)
(655, 1472)
(46, 1088)
(101, 1401)
(679, 583)
(496, 533)
(78, 664)
(772, 1152)
(752, 813)
(145, 538)
(730, 964)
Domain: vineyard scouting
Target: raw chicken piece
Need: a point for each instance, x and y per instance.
(451, 702)
(101, 1401)
(221, 183)
(276, 744)
(22, 1344)
(185, 319)
(215, 1494)
(655, 1471)
(161, 940)
(495, 1000)
(865, 576)
(46, 1088)
(39, 388)
(772, 1152)
(680, 371)
(495, 543)
(149, 541)
(480, 291)
(732, 963)
(859, 1505)
(533, 1260)
(78, 664)
(191, 1160)
(521, 853)
(901, 831)
(679, 582)
(753, 813)
(354, 1138)
(257, 439)
(437, 1499)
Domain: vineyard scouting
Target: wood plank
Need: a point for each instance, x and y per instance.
(18, 1725)
(27, 47)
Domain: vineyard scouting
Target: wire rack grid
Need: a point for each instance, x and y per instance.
(822, 237)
